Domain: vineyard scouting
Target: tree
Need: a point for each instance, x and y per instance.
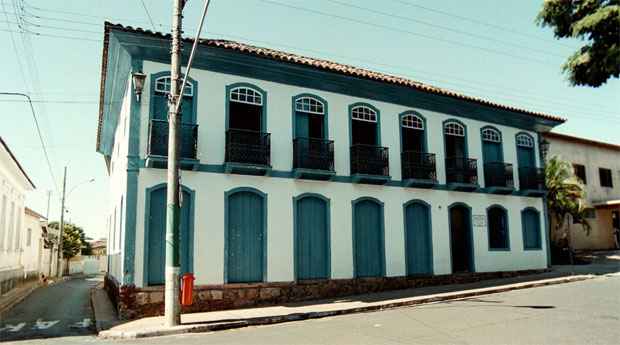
(566, 199)
(74, 240)
(594, 21)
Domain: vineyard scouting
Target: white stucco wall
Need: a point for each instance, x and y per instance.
(209, 224)
(210, 187)
(118, 189)
(13, 188)
(34, 255)
(211, 120)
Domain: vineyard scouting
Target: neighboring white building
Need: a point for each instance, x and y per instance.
(37, 251)
(14, 183)
(597, 164)
(302, 169)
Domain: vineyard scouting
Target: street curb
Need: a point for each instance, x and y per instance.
(267, 320)
(103, 319)
(4, 310)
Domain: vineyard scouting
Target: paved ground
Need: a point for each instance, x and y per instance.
(574, 313)
(59, 310)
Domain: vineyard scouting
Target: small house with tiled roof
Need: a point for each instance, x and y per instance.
(304, 178)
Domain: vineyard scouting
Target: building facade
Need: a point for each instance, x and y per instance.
(37, 249)
(14, 183)
(597, 165)
(302, 170)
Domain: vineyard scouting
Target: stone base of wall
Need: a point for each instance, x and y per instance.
(12, 278)
(132, 302)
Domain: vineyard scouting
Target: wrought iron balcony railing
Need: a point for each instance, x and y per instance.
(158, 139)
(418, 165)
(531, 178)
(461, 170)
(311, 153)
(369, 160)
(248, 147)
(498, 174)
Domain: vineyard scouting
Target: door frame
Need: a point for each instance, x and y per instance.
(465, 138)
(430, 230)
(327, 201)
(381, 231)
(147, 216)
(470, 234)
(400, 128)
(325, 118)
(263, 93)
(227, 196)
(501, 144)
(377, 124)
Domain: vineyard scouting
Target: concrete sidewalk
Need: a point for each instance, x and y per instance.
(219, 320)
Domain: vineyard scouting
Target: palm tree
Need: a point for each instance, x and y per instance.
(565, 197)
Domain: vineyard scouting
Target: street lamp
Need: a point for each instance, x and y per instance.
(138, 83)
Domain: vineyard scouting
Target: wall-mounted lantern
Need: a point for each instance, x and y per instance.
(138, 83)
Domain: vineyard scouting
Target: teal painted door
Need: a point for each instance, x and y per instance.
(157, 233)
(525, 157)
(312, 250)
(302, 125)
(245, 238)
(491, 152)
(419, 242)
(367, 227)
(531, 233)
(160, 108)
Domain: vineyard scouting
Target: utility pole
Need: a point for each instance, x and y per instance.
(172, 309)
(62, 224)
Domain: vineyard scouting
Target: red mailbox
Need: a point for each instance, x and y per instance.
(187, 288)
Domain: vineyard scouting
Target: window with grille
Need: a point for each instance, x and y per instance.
(309, 105)
(363, 113)
(525, 140)
(163, 84)
(605, 175)
(412, 121)
(491, 135)
(454, 128)
(246, 95)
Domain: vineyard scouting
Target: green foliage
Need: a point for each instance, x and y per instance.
(565, 194)
(598, 23)
(74, 240)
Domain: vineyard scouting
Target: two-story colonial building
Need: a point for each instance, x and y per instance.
(306, 178)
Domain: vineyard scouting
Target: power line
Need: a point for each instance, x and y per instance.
(446, 28)
(51, 35)
(148, 14)
(36, 122)
(385, 27)
(480, 22)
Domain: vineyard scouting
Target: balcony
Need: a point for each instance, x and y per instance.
(498, 177)
(369, 164)
(532, 181)
(462, 173)
(418, 169)
(313, 158)
(157, 150)
(247, 152)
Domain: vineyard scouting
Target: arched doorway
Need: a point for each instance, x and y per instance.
(312, 237)
(246, 217)
(368, 240)
(155, 258)
(418, 238)
(461, 238)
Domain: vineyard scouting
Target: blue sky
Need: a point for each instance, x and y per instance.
(486, 48)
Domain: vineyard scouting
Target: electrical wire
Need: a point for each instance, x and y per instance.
(148, 14)
(36, 122)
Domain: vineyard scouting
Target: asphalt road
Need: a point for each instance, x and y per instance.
(59, 310)
(586, 312)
